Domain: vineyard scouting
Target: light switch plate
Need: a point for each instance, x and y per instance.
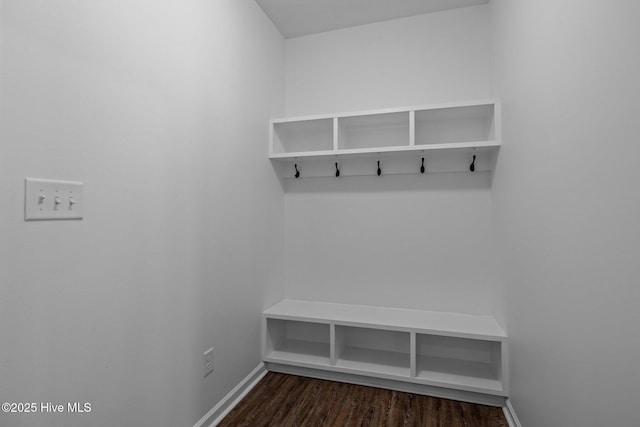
(50, 199)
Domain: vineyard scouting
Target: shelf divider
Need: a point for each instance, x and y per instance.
(336, 133)
(413, 354)
(412, 128)
(332, 344)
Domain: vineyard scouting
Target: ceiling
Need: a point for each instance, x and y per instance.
(296, 18)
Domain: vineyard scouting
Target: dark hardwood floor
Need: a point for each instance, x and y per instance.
(288, 400)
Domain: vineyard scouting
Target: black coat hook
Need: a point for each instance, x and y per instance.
(422, 168)
(472, 167)
(297, 175)
(379, 170)
(337, 170)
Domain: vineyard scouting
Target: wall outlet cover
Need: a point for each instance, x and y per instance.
(207, 362)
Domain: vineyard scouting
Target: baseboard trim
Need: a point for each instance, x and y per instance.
(510, 415)
(444, 393)
(222, 408)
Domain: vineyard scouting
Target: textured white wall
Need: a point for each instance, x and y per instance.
(405, 241)
(160, 107)
(566, 208)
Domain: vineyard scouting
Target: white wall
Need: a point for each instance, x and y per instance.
(405, 241)
(566, 208)
(160, 107)
(436, 57)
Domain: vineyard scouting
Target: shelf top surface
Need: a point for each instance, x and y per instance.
(387, 111)
(428, 322)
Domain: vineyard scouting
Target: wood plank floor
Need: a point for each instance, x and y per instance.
(288, 400)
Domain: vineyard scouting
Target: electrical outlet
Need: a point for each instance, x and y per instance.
(207, 362)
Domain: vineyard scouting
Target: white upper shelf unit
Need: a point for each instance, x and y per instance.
(453, 126)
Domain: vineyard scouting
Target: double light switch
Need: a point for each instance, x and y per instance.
(49, 199)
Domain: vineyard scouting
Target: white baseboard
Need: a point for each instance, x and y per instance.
(222, 408)
(510, 415)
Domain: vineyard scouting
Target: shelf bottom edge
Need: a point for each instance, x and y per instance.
(478, 397)
(388, 376)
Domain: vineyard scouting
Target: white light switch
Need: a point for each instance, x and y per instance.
(49, 199)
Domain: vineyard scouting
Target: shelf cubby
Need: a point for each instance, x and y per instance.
(372, 350)
(373, 131)
(302, 136)
(295, 341)
(468, 124)
(472, 364)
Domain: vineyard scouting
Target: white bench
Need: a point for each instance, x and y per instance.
(444, 350)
